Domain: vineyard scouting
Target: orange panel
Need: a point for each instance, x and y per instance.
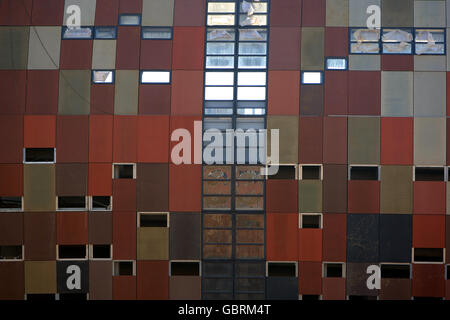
(124, 235)
(310, 278)
(310, 245)
(429, 197)
(281, 236)
(100, 138)
(397, 141)
(428, 231)
(363, 196)
(100, 179)
(153, 139)
(72, 228)
(284, 93)
(188, 48)
(187, 92)
(124, 288)
(11, 182)
(333, 288)
(185, 188)
(125, 142)
(153, 280)
(39, 131)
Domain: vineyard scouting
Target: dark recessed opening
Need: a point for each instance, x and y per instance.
(10, 252)
(40, 297)
(333, 270)
(395, 271)
(448, 272)
(10, 203)
(39, 155)
(123, 171)
(311, 172)
(101, 251)
(71, 202)
(428, 254)
(184, 268)
(430, 174)
(101, 202)
(362, 297)
(123, 268)
(285, 173)
(276, 269)
(310, 297)
(364, 173)
(311, 221)
(71, 252)
(153, 220)
(72, 296)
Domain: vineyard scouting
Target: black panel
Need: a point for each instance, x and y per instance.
(364, 173)
(182, 268)
(73, 276)
(395, 237)
(396, 271)
(281, 288)
(362, 237)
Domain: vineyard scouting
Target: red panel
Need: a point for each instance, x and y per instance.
(313, 13)
(310, 245)
(281, 236)
(284, 93)
(310, 140)
(334, 237)
(76, 54)
(100, 138)
(187, 123)
(336, 92)
(153, 139)
(40, 131)
(187, 92)
(13, 281)
(102, 99)
(130, 6)
(448, 135)
(124, 288)
(156, 54)
(428, 231)
(154, 99)
(429, 197)
(124, 235)
(42, 91)
(125, 145)
(428, 280)
(12, 91)
(72, 228)
(13, 12)
(336, 42)
(47, 13)
(106, 12)
(189, 13)
(282, 196)
(188, 48)
(310, 278)
(364, 92)
(284, 49)
(286, 13)
(100, 179)
(363, 196)
(335, 140)
(185, 188)
(72, 139)
(333, 289)
(11, 182)
(11, 144)
(397, 141)
(393, 62)
(153, 280)
(124, 195)
(128, 47)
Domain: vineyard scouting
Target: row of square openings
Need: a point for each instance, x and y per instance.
(106, 32)
(63, 252)
(63, 203)
(248, 13)
(56, 296)
(176, 268)
(146, 77)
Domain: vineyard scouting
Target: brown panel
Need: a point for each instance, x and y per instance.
(12, 280)
(282, 196)
(11, 144)
(313, 13)
(124, 235)
(72, 138)
(100, 280)
(428, 280)
(284, 49)
(124, 288)
(152, 187)
(106, 12)
(152, 280)
(447, 238)
(335, 188)
(333, 288)
(76, 54)
(357, 279)
(336, 42)
(12, 91)
(156, 54)
(47, 12)
(11, 228)
(335, 140)
(11, 182)
(310, 140)
(128, 44)
(100, 227)
(185, 236)
(40, 235)
(393, 62)
(71, 179)
(154, 99)
(311, 100)
(336, 92)
(42, 91)
(310, 278)
(124, 195)
(14, 12)
(334, 237)
(189, 13)
(188, 48)
(283, 93)
(185, 288)
(130, 6)
(286, 13)
(102, 99)
(395, 289)
(72, 228)
(364, 92)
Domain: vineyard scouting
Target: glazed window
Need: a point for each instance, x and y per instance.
(153, 220)
(156, 33)
(124, 171)
(105, 33)
(100, 251)
(103, 76)
(430, 41)
(155, 77)
(396, 271)
(282, 269)
(77, 33)
(364, 173)
(11, 252)
(429, 174)
(312, 77)
(71, 203)
(364, 41)
(397, 41)
(130, 20)
(101, 203)
(310, 221)
(10, 203)
(428, 255)
(333, 270)
(311, 172)
(184, 268)
(124, 268)
(336, 64)
(72, 252)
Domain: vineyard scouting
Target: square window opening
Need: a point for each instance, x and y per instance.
(333, 270)
(153, 220)
(428, 255)
(396, 271)
(124, 268)
(364, 173)
(71, 203)
(311, 221)
(184, 268)
(429, 174)
(11, 253)
(101, 203)
(124, 171)
(39, 155)
(281, 269)
(71, 252)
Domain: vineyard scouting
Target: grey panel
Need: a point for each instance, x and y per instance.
(74, 92)
(364, 62)
(429, 14)
(44, 48)
(397, 13)
(312, 55)
(429, 94)
(14, 47)
(358, 12)
(364, 140)
(430, 63)
(429, 141)
(397, 94)
(127, 92)
(337, 13)
(280, 288)
(87, 10)
(157, 12)
(104, 54)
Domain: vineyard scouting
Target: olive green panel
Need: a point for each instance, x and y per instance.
(429, 14)
(397, 93)
(337, 13)
(157, 12)
(288, 137)
(429, 141)
(364, 62)
(74, 92)
(104, 54)
(39, 187)
(364, 140)
(44, 48)
(396, 195)
(87, 11)
(310, 196)
(14, 47)
(430, 63)
(127, 92)
(397, 13)
(358, 12)
(40, 276)
(153, 244)
(313, 42)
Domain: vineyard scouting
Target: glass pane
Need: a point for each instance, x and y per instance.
(219, 93)
(336, 64)
(250, 123)
(253, 35)
(365, 48)
(253, 7)
(216, 252)
(77, 33)
(251, 93)
(130, 19)
(250, 236)
(252, 48)
(250, 187)
(249, 173)
(424, 35)
(155, 77)
(217, 203)
(221, 20)
(397, 35)
(253, 20)
(252, 62)
(156, 33)
(221, 7)
(250, 220)
(220, 35)
(252, 79)
(311, 77)
(217, 236)
(250, 252)
(103, 76)
(217, 221)
(217, 187)
(220, 48)
(219, 78)
(365, 35)
(251, 111)
(105, 33)
(399, 48)
(216, 172)
(437, 48)
(219, 62)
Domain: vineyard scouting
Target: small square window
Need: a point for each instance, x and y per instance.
(312, 77)
(101, 251)
(105, 32)
(336, 64)
(72, 203)
(364, 41)
(124, 268)
(102, 76)
(101, 203)
(428, 255)
(130, 20)
(155, 77)
(396, 271)
(39, 155)
(364, 173)
(282, 269)
(310, 172)
(184, 268)
(397, 41)
(153, 220)
(155, 33)
(124, 171)
(430, 41)
(11, 253)
(77, 33)
(71, 252)
(333, 270)
(10, 203)
(311, 221)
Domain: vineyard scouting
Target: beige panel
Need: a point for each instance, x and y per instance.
(429, 141)
(44, 48)
(157, 12)
(364, 140)
(364, 62)
(40, 276)
(396, 189)
(337, 13)
(39, 187)
(430, 14)
(74, 92)
(104, 54)
(153, 243)
(312, 56)
(358, 11)
(127, 92)
(14, 47)
(288, 142)
(430, 63)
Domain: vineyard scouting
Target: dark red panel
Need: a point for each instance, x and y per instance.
(156, 54)
(185, 188)
(286, 13)
(334, 237)
(128, 47)
(394, 62)
(283, 93)
(335, 140)
(336, 92)
(428, 280)
(313, 13)
(102, 99)
(39, 131)
(124, 288)
(281, 237)
(124, 144)
(11, 182)
(124, 195)
(422, 237)
(310, 278)
(363, 196)
(12, 91)
(124, 235)
(397, 140)
(153, 139)
(72, 228)
(429, 197)
(333, 289)
(364, 92)
(107, 12)
(100, 138)
(187, 93)
(11, 144)
(42, 91)
(153, 280)
(154, 99)
(13, 12)
(336, 42)
(310, 245)
(76, 54)
(281, 196)
(335, 188)
(284, 48)
(447, 239)
(310, 140)
(72, 138)
(13, 281)
(188, 48)
(40, 235)
(130, 6)
(100, 179)
(189, 13)
(47, 13)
